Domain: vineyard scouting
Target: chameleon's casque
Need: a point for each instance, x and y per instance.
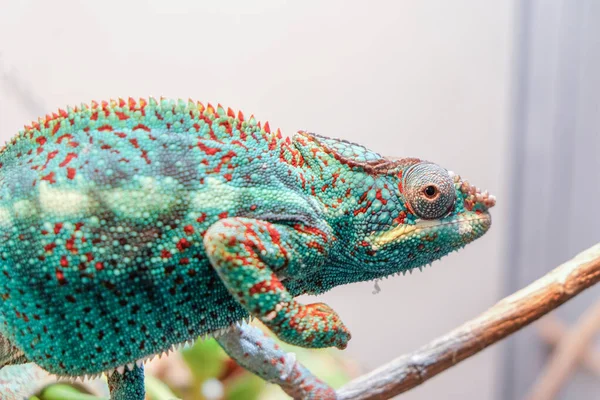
(130, 226)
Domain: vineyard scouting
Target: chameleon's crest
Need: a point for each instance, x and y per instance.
(350, 154)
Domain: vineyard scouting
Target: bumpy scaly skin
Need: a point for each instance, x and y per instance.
(127, 386)
(131, 226)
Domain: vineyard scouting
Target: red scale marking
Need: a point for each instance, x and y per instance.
(70, 245)
(55, 128)
(238, 143)
(59, 140)
(316, 245)
(50, 177)
(276, 238)
(105, 128)
(379, 197)
(67, 159)
(335, 178)
(310, 230)
(121, 115)
(273, 143)
(145, 156)
(60, 276)
(268, 286)
(165, 254)
(400, 218)
(183, 244)
(224, 159)
(71, 173)
(211, 151)
(143, 127)
(400, 188)
(363, 197)
(362, 209)
(49, 247)
(49, 157)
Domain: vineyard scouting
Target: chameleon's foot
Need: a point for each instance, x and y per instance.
(315, 325)
(245, 253)
(127, 386)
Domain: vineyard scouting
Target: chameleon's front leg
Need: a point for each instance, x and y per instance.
(258, 353)
(127, 386)
(247, 253)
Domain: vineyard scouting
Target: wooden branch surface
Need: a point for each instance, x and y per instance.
(506, 317)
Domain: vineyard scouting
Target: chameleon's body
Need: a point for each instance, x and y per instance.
(128, 227)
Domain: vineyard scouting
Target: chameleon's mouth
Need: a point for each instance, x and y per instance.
(463, 225)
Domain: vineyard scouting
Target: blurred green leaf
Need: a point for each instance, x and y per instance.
(244, 387)
(158, 390)
(62, 391)
(205, 358)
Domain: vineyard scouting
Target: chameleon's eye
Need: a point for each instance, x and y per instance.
(429, 190)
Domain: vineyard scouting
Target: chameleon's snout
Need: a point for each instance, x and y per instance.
(474, 199)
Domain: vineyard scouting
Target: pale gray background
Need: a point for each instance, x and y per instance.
(448, 81)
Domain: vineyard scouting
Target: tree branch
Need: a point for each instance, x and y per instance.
(506, 317)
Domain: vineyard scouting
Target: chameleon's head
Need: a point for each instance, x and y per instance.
(440, 213)
(394, 214)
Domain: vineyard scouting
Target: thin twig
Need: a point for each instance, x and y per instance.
(552, 330)
(506, 317)
(565, 357)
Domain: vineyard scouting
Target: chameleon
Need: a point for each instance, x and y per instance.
(131, 227)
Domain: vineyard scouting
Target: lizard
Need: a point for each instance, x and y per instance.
(130, 227)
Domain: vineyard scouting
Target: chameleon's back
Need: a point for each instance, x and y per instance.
(102, 211)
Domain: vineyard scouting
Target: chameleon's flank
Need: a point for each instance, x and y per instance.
(130, 227)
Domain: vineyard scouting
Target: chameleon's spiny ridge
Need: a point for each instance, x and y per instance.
(131, 226)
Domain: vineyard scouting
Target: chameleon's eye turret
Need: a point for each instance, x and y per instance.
(429, 190)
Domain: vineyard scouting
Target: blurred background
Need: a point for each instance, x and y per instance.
(506, 93)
